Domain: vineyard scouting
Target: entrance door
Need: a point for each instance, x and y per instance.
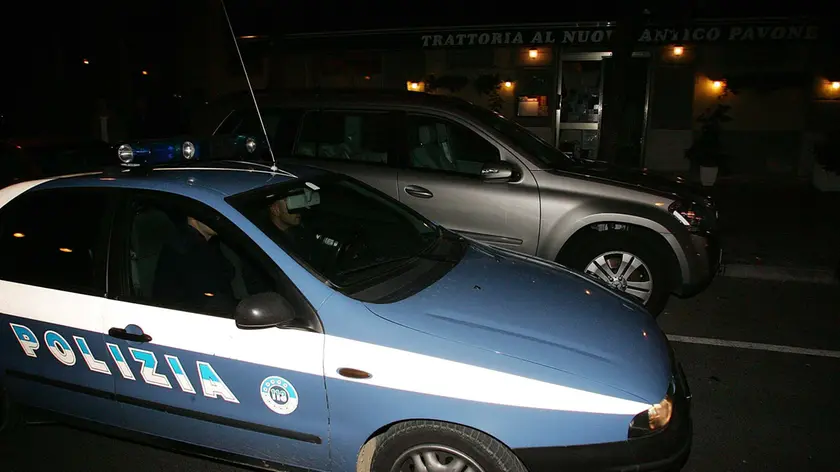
(585, 87)
(581, 90)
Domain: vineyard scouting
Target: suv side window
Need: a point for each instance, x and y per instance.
(56, 239)
(182, 255)
(439, 144)
(346, 135)
(281, 124)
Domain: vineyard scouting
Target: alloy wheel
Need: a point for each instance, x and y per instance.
(435, 458)
(623, 271)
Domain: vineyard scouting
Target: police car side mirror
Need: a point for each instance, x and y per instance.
(264, 310)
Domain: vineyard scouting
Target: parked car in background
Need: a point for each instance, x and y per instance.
(488, 178)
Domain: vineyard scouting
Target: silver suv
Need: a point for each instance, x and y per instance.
(490, 179)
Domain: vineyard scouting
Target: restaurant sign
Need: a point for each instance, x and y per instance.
(601, 35)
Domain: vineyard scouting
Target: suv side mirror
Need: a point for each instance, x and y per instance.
(264, 310)
(498, 171)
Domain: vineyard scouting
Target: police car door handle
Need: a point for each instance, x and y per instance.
(120, 333)
(352, 373)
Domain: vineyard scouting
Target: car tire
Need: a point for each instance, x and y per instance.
(9, 416)
(403, 441)
(612, 245)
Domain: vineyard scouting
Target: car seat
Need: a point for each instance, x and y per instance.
(429, 154)
(150, 230)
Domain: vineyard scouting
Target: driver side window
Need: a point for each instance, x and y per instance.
(439, 144)
(188, 260)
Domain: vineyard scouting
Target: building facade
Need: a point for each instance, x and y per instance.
(559, 80)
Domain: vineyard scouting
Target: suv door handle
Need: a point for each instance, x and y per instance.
(121, 333)
(418, 191)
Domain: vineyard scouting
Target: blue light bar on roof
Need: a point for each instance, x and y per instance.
(149, 152)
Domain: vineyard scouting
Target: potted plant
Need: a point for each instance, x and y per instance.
(706, 151)
(826, 176)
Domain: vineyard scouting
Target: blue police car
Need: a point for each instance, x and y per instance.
(299, 319)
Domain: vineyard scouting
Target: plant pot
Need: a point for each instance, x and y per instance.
(824, 180)
(708, 175)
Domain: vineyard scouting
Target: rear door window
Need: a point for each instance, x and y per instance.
(56, 239)
(359, 136)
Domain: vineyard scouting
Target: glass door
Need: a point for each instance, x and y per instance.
(580, 91)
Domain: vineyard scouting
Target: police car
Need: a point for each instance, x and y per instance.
(347, 333)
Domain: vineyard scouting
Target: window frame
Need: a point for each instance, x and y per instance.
(120, 269)
(102, 238)
(241, 118)
(405, 154)
(394, 147)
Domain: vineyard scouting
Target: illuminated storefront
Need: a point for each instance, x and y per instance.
(557, 81)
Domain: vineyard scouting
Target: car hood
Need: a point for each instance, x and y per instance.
(543, 313)
(651, 182)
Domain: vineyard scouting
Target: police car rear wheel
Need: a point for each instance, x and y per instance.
(435, 446)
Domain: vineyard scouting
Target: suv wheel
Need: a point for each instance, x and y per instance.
(627, 262)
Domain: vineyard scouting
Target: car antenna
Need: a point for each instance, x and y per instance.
(250, 88)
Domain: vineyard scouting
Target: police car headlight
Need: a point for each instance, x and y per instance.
(656, 418)
(188, 150)
(125, 153)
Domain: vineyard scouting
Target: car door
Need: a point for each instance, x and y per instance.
(186, 372)
(441, 179)
(53, 249)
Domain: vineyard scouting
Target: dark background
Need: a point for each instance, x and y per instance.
(48, 89)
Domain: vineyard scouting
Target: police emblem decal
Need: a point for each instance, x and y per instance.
(279, 395)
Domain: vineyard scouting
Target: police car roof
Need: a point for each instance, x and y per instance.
(199, 180)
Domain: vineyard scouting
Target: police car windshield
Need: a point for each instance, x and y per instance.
(342, 230)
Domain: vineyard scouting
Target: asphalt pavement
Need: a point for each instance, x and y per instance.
(762, 359)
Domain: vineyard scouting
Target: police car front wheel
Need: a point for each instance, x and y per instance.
(435, 446)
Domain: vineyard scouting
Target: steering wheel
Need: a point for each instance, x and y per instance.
(354, 247)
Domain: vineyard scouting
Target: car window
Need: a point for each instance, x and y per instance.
(229, 123)
(53, 239)
(340, 229)
(440, 144)
(346, 135)
(281, 124)
(190, 261)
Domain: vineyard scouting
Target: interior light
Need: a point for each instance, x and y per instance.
(508, 84)
(533, 53)
(208, 294)
(414, 85)
(717, 84)
(145, 72)
(18, 235)
(835, 85)
(64, 249)
(678, 50)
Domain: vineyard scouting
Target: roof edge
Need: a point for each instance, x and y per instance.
(570, 24)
